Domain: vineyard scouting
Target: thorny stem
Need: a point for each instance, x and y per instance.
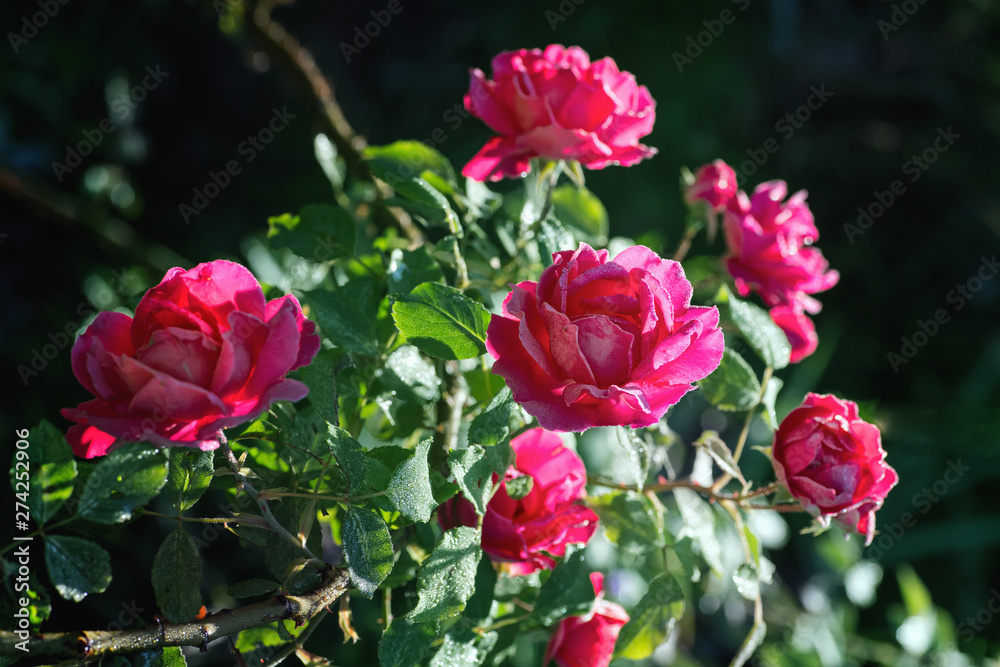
(742, 500)
(224, 520)
(268, 494)
(245, 486)
(92, 645)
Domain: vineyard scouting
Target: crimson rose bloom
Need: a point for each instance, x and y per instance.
(526, 533)
(558, 105)
(204, 352)
(769, 247)
(833, 463)
(798, 329)
(588, 641)
(714, 183)
(603, 343)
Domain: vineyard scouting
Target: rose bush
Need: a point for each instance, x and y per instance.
(599, 342)
(203, 352)
(769, 247)
(528, 532)
(833, 463)
(556, 104)
(589, 640)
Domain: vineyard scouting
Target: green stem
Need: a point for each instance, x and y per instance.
(722, 481)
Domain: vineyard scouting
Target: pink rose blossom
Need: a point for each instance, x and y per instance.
(588, 641)
(714, 183)
(527, 533)
(798, 328)
(203, 352)
(557, 105)
(599, 342)
(833, 463)
(769, 247)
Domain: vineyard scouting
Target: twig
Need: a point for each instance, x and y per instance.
(722, 481)
(93, 644)
(284, 49)
(272, 521)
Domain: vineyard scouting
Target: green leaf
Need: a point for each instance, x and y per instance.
(412, 158)
(770, 397)
(125, 479)
(699, 523)
(409, 268)
(714, 446)
(190, 474)
(519, 487)
(442, 321)
(473, 474)
(350, 456)
(409, 488)
(321, 378)
(764, 336)
(405, 642)
(319, 232)
(630, 521)
(253, 588)
(652, 619)
(53, 471)
(346, 315)
(172, 656)
(411, 376)
(464, 648)
(76, 566)
(580, 209)
(492, 425)
(176, 577)
(447, 577)
(552, 236)
(418, 196)
(637, 453)
(479, 609)
(368, 549)
(733, 385)
(567, 592)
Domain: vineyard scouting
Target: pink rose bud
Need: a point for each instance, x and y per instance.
(588, 641)
(599, 342)
(798, 328)
(833, 463)
(714, 183)
(557, 105)
(769, 247)
(528, 532)
(204, 352)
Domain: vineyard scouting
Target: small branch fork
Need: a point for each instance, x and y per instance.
(93, 644)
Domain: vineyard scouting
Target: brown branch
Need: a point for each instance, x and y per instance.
(91, 644)
(285, 50)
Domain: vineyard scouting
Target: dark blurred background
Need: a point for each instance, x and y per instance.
(894, 76)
